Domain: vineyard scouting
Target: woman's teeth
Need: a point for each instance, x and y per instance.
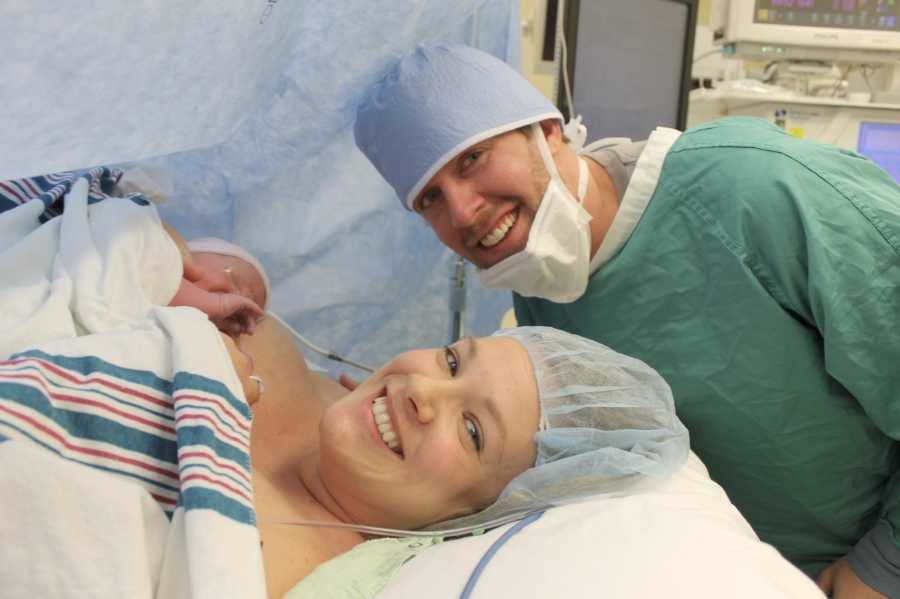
(383, 422)
(497, 235)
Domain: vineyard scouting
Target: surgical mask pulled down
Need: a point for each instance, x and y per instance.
(555, 263)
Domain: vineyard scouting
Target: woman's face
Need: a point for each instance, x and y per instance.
(434, 434)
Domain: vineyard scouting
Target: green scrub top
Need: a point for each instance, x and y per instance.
(763, 283)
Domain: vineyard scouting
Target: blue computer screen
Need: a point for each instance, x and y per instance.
(881, 143)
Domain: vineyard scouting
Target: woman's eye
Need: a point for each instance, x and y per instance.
(472, 429)
(452, 361)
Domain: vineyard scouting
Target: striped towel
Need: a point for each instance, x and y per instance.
(51, 189)
(190, 437)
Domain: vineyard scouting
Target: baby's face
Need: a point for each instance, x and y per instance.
(243, 367)
(244, 279)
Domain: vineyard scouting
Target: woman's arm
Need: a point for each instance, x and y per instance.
(191, 271)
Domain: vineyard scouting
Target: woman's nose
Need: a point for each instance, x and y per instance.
(428, 398)
(422, 407)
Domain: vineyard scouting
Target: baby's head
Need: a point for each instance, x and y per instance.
(246, 274)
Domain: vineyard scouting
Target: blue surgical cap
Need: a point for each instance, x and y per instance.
(435, 103)
(608, 425)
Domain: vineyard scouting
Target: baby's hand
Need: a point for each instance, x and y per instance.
(236, 314)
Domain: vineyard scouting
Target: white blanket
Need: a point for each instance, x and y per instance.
(96, 268)
(124, 433)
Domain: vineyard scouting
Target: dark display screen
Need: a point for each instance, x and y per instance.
(879, 15)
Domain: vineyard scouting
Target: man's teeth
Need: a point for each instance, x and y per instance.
(383, 421)
(497, 235)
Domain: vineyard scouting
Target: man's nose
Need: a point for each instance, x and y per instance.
(463, 204)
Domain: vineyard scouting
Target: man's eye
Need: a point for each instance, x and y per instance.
(473, 431)
(452, 361)
(427, 199)
(471, 158)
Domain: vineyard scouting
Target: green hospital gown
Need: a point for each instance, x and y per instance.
(763, 282)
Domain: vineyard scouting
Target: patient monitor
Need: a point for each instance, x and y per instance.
(825, 70)
(864, 31)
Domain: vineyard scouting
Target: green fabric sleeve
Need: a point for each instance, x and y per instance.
(843, 278)
(524, 317)
(855, 295)
(876, 560)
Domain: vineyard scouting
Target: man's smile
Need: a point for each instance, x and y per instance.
(499, 232)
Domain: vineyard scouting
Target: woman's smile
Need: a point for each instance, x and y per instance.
(384, 424)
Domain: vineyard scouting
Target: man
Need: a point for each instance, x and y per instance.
(760, 274)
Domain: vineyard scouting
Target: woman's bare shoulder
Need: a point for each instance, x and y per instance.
(285, 428)
(276, 355)
(272, 345)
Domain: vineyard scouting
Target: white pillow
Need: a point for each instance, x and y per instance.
(681, 539)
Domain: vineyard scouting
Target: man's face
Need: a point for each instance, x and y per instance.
(482, 203)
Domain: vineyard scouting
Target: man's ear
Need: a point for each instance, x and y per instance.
(553, 134)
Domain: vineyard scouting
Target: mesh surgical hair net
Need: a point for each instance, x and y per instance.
(436, 102)
(608, 423)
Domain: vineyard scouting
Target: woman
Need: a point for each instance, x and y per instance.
(444, 437)
(460, 426)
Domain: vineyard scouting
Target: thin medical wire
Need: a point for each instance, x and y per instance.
(399, 532)
(324, 352)
(565, 72)
(705, 54)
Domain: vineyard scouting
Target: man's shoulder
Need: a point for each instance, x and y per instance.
(748, 147)
(733, 131)
(753, 146)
